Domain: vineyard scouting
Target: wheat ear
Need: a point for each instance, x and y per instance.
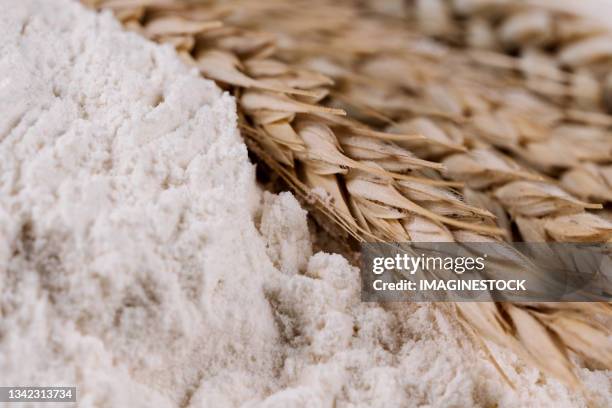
(378, 185)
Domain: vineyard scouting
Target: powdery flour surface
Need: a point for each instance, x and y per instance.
(140, 262)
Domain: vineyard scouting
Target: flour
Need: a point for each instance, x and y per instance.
(130, 259)
(131, 265)
(284, 228)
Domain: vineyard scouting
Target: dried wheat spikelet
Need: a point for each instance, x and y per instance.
(576, 74)
(475, 109)
(430, 112)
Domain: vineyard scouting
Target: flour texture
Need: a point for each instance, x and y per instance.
(141, 263)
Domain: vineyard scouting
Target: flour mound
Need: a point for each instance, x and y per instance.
(140, 262)
(128, 251)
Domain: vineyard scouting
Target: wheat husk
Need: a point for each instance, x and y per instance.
(422, 117)
(536, 132)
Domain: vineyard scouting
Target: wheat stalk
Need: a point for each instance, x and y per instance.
(387, 185)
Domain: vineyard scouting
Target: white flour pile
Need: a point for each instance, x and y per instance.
(140, 262)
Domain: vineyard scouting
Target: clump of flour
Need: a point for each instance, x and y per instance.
(284, 228)
(131, 266)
